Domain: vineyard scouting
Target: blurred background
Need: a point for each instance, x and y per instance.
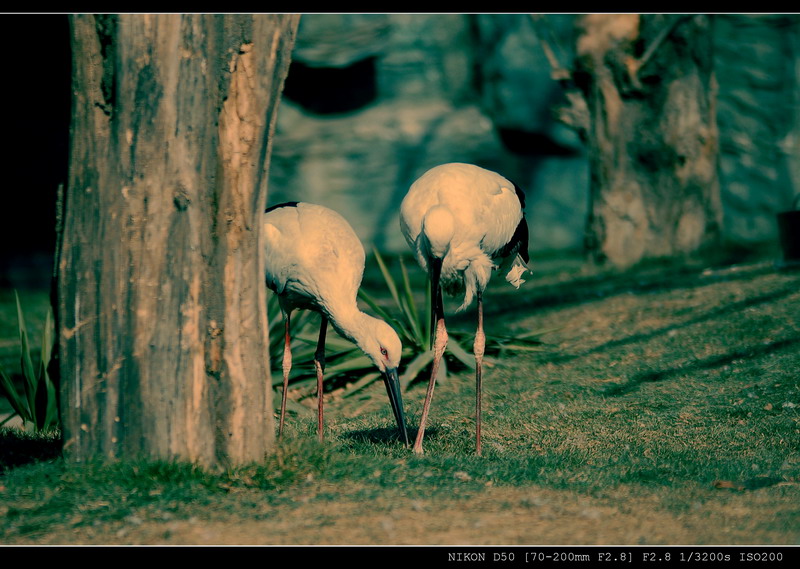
(373, 100)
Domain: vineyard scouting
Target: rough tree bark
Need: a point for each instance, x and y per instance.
(163, 331)
(653, 142)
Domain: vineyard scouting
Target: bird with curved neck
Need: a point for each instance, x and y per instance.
(314, 260)
(462, 222)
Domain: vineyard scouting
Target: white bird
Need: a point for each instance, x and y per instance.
(314, 260)
(461, 221)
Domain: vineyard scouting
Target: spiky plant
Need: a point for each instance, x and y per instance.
(37, 404)
(345, 362)
(414, 327)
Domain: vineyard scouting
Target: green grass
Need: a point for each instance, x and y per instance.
(676, 399)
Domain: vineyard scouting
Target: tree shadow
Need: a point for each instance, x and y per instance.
(646, 280)
(387, 435)
(710, 363)
(716, 312)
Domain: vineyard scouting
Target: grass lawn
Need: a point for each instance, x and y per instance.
(663, 409)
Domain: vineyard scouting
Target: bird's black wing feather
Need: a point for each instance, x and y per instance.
(284, 204)
(518, 245)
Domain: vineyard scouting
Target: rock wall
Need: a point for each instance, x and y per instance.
(758, 68)
(373, 100)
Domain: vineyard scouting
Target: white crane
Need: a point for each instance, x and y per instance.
(314, 260)
(461, 221)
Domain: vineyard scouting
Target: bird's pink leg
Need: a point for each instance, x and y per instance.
(319, 364)
(287, 367)
(478, 349)
(438, 350)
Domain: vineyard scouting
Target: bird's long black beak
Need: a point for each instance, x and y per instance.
(393, 389)
(436, 295)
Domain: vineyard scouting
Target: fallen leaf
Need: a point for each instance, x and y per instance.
(727, 484)
(768, 407)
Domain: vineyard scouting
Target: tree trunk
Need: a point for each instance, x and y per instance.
(653, 142)
(162, 308)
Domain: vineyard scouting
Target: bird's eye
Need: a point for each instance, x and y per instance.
(384, 353)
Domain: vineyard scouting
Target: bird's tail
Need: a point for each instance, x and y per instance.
(518, 269)
(476, 277)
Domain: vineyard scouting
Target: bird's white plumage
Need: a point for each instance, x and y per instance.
(485, 212)
(314, 259)
(460, 220)
(312, 256)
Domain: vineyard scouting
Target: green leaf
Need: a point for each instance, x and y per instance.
(25, 360)
(460, 353)
(415, 367)
(17, 403)
(387, 277)
(52, 403)
(384, 314)
(361, 384)
(291, 405)
(537, 332)
(410, 309)
(47, 342)
(354, 363)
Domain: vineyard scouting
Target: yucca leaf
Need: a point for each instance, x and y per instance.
(357, 362)
(407, 289)
(306, 379)
(460, 353)
(291, 405)
(536, 332)
(399, 326)
(10, 393)
(336, 342)
(387, 277)
(413, 326)
(441, 374)
(47, 409)
(47, 342)
(361, 384)
(25, 360)
(37, 406)
(410, 308)
(415, 367)
(373, 304)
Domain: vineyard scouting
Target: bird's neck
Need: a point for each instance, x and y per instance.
(349, 322)
(438, 226)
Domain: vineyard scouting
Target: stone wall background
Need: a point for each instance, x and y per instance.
(374, 100)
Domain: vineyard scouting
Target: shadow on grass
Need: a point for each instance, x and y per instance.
(387, 435)
(596, 287)
(706, 364)
(719, 311)
(18, 448)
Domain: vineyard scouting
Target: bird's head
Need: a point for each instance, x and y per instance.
(382, 344)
